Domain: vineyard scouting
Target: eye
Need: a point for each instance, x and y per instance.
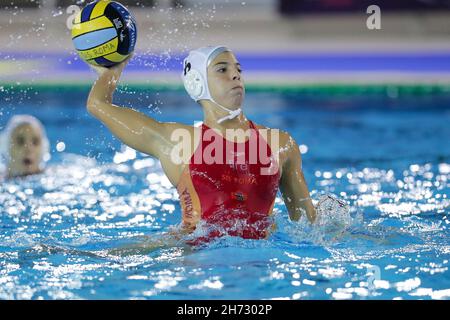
(222, 70)
(36, 141)
(20, 141)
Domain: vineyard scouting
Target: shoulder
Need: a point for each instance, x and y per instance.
(189, 136)
(284, 146)
(285, 140)
(175, 128)
(176, 125)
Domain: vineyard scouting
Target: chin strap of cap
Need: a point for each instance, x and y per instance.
(231, 113)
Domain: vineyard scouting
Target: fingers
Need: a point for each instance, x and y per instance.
(116, 70)
(123, 64)
(128, 58)
(99, 69)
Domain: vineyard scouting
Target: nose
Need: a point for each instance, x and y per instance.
(29, 147)
(236, 75)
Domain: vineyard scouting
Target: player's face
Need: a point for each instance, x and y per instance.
(25, 150)
(225, 81)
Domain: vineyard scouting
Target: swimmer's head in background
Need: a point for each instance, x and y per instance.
(24, 146)
(195, 76)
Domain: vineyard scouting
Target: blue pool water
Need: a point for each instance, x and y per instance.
(386, 154)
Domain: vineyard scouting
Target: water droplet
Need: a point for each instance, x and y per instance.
(60, 146)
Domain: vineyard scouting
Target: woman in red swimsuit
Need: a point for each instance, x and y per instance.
(230, 168)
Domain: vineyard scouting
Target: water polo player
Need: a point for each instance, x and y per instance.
(24, 146)
(230, 184)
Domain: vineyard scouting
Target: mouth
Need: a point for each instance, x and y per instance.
(27, 162)
(238, 88)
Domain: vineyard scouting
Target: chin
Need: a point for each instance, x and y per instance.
(22, 172)
(235, 104)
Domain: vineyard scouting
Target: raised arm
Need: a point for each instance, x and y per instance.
(131, 127)
(293, 185)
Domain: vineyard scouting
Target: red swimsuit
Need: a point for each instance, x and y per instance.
(234, 192)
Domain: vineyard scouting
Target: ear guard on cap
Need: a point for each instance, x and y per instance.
(193, 84)
(193, 81)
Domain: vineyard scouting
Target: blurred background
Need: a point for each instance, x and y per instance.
(279, 42)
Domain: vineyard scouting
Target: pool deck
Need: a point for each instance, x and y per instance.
(411, 48)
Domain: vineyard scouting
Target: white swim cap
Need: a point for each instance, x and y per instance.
(195, 76)
(13, 123)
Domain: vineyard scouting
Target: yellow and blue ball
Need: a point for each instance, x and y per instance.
(104, 33)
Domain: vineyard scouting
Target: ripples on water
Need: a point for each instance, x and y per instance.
(57, 228)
